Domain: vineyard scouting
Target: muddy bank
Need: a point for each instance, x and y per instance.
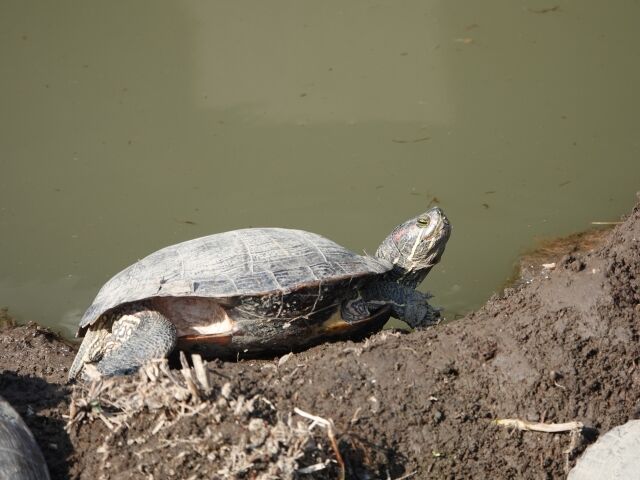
(561, 346)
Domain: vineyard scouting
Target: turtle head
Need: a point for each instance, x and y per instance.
(415, 246)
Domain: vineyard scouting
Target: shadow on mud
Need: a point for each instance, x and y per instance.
(34, 399)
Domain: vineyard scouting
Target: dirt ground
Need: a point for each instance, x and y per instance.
(561, 345)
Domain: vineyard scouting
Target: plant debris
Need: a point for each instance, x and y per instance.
(264, 444)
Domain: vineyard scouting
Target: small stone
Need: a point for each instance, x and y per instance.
(375, 405)
(533, 417)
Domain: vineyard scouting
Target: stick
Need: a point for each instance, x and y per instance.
(408, 475)
(319, 420)
(328, 424)
(201, 373)
(183, 361)
(313, 468)
(188, 377)
(539, 427)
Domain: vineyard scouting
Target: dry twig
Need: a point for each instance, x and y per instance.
(328, 424)
(539, 427)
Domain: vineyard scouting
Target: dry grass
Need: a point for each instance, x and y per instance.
(177, 424)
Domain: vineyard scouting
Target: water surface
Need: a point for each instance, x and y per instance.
(128, 126)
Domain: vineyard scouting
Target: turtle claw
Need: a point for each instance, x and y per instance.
(408, 305)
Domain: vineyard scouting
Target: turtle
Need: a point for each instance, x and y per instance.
(258, 290)
(20, 456)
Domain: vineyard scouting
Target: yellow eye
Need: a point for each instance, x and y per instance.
(424, 221)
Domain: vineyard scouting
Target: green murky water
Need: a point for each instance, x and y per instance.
(128, 126)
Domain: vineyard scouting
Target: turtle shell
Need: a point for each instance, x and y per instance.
(242, 263)
(20, 456)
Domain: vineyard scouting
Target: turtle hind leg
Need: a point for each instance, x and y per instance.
(135, 339)
(91, 349)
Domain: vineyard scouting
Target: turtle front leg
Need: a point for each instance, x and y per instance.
(135, 339)
(406, 303)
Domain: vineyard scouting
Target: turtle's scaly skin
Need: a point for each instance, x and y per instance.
(260, 289)
(20, 456)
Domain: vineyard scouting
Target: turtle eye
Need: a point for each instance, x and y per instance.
(424, 221)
